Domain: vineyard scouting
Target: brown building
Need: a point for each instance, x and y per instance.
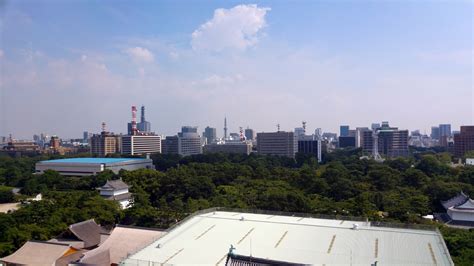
(105, 143)
(54, 144)
(464, 141)
(17, 149)
(392, 142)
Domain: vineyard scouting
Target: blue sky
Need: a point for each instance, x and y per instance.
(66, 66)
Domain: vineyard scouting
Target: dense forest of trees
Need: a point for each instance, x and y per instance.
(400, 190)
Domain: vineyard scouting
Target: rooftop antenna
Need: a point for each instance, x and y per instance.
(278, 127)
(103, 126)
(304, 127)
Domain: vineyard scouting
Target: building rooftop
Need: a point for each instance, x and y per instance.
(207, 236)
(39, 253)
(93, 160)
(114, 185)
(119, 245)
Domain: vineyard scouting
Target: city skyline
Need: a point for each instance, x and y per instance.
(259, 63)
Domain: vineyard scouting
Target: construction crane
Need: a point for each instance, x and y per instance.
(242, 136)
(319, 138)
(375, 146)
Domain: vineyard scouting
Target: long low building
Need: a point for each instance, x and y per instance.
(92, 166)
(215, 237)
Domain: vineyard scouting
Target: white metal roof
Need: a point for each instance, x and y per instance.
(206, 239)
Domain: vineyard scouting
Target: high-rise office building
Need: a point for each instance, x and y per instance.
(143, 126)
(105, 143)
(346, 142)
(444, 134)
(141, 144)
(464, 141)
(344, 131)
(54, 143)
(187, 142)
(375, 126)
(210, 135)
(310, 145)
(300, 133)
(445, 130)
(359, 136)
(277, 143)
(170, 145)
(85, 137)
(435, 133)
(229, 147)
(392, 142)
(249, 134)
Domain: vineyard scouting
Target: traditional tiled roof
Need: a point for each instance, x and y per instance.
(468, 205)
(87, 231)
(122, 241)
(114, 185)
(460, 199)
(125, 196)
(39, 253)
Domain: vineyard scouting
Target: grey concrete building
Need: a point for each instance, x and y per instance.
(210, 134)
(229, 147)
(277, 143)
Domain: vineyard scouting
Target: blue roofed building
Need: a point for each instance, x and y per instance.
(92, 166)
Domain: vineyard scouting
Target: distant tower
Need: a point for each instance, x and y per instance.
(278, 127)
(304, 127)
(142, 117)
(225, 128)
(144, 127)
(103, 127)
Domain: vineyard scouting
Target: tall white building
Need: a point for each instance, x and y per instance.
(141, 144)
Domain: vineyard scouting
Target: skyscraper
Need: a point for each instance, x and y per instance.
(464, 141)
(144, 126)
(392, 142)
(279, 143)
(225, 128)
(435, 133)
(344, 131)
(445, 130)
(210, 134)
(105, 143)
(299, 133)
(249, 134)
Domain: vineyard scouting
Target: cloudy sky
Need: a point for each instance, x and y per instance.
(67, 66)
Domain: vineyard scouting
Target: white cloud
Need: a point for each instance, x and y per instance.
(235, 28)
(140, 54)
